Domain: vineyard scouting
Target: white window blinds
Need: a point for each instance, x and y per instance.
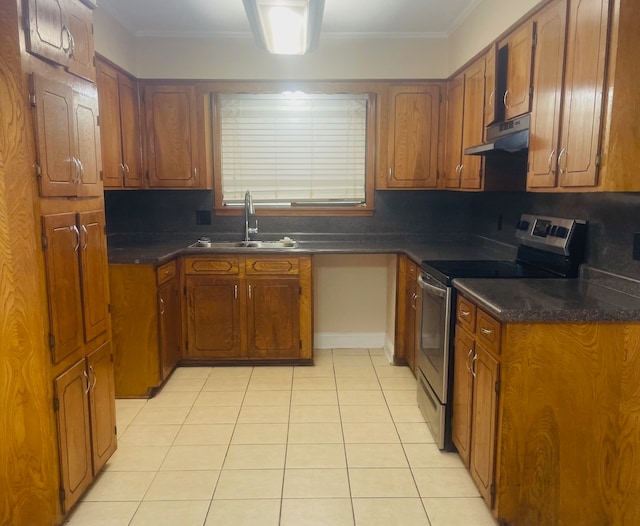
(293, 148)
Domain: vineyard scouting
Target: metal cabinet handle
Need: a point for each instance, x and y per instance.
(95, 377)
(414, 298)
(491, 97)
(76, 175)
(249, 291)
(122, 169)
(467, 363)
(73, 45)
(504, 99)
(484, 330)
(464, 313)
(473, 365)
(195, 173)
(562, 152)
(75, 229)
(126, 167)
(81, 174)
(161, 307)
(86, 237)
(553, 152)
(235, 292)
(390, 173)
(65, 29)
(86, 377)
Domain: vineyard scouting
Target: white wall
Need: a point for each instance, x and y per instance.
(336, 58)
(352, 300)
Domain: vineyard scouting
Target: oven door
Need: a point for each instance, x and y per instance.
(434, 334)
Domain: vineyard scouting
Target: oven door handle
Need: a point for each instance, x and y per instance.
(437, 291)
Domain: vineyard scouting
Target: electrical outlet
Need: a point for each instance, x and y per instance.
(636, 246)
(203, 217)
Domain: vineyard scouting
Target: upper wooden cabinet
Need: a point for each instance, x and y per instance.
(76, 265)
(172, 137)
(473, 128)
(518, 47)
(68, 140)
(413, 129)
(566, 121)
(61, 31)
(119, 128)
(490, 86)
(465, 127)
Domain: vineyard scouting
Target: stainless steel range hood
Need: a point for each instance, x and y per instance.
(510, 136)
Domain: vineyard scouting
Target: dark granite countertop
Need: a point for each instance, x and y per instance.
(550, 300)
(156, 249)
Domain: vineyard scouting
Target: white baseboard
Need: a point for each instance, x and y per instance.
(338, 340)
(389, 349)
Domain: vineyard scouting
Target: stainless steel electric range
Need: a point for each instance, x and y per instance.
(549, 247)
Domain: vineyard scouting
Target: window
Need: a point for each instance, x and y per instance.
(293, 150)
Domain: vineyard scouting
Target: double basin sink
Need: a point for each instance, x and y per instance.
(265, 245)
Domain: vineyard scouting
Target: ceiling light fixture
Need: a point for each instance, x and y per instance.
(285, 27)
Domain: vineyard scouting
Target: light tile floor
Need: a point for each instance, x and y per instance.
(339, 443)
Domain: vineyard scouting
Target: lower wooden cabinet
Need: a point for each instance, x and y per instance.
(86, 418)
(147, 325)
(408, 301)
(476, 386)
(248, 308)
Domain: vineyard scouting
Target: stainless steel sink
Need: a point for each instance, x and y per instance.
(281, 244)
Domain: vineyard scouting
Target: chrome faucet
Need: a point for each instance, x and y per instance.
(249, 210)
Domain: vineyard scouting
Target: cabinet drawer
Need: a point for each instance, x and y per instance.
(488, 332)
(272, 265)
(165, 272)
(212, 265)
(466, 314)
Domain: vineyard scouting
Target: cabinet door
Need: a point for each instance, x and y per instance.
(172, 135)
(490, 86)
(74, 439)
(410, 323)
(95, 284)
(55, 137)
(483, 422)
(170, 323)
(130, 128)
(80, 24)
(413, 143)
(473, 129)
(213, 320)
(102, 403)
(520, 48)
(109, 104)
(85, 111)
(462, 393)
(273, 316)
(48, 35)
(547, 95)
(583, 93)
(61, 246)
(455, 108)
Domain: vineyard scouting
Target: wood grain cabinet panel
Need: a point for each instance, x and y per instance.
(414, 126)
(462, 394)
(519, 44)
(68, 140)
(473, 129)
(408, 301)
(76, 266)
(147, 326)
(214, 323)
(490, 86)
(455, 116)
(172, 135)
(273, 318)
(120, 128)
(61, 31)
(248, 308)
(86, 417)
(548, 68)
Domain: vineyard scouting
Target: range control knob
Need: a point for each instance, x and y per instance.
(523, 225)
(562, 232)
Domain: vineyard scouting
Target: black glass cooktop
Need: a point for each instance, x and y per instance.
(446, 270)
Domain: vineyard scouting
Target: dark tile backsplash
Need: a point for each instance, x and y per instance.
(613, 217)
